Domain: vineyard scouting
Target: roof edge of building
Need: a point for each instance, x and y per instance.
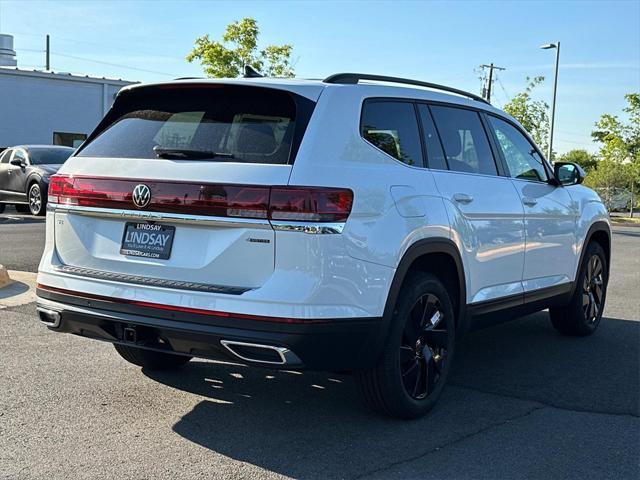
(64, 76)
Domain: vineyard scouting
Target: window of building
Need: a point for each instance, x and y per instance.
(69, 139)
(522, 159)
(393, 128)
(464, 140)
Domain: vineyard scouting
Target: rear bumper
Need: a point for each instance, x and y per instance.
(327, 344)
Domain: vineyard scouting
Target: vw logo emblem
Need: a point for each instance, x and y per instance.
(141, 196)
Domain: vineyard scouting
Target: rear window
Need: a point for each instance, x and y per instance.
(213, 122)
(49, 156)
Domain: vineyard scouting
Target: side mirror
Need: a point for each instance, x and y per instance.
(18, 163)
(568, 173)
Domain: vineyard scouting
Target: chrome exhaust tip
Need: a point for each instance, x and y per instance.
(50, 318)
(259, 353)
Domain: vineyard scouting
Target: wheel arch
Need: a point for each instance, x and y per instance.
(434, 255)
(599, 232)
(34, 178)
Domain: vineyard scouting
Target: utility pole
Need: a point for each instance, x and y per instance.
(486, 91)
(48, 54)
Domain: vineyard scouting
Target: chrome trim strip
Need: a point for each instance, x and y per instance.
(161, 216)
(282, 225)
(287, 357)
(149, 282)
(307, 227)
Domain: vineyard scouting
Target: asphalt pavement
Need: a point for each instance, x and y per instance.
(21, 240)
(522, 402)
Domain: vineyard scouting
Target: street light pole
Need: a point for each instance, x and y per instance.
(555, 88)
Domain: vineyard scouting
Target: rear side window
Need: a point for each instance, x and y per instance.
(5, 156)
(523, 160)
(214, 122)
(464, 140)
(393, 128)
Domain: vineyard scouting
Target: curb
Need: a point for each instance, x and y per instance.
(4, 277)
(625, 224)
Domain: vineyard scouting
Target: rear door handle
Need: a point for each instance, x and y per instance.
(529, 202)
(463, 198)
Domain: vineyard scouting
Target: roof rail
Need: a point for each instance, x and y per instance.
(354, 78)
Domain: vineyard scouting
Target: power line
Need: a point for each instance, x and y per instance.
(107, 47)
(84, 59)
(506, 94)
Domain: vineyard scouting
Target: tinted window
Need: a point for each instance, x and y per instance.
(393, 128)
(219, 123)
(51, 156)
(522, 159)
(464, 140)
(5, 156)
(435, 155)
(19, 155)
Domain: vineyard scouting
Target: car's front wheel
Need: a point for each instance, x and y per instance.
(36, 200)
(582, 315)
(151, 359)
(412, 372)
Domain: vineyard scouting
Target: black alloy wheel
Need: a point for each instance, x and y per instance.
(593, 289)
(410, 375)
(423, 350)
(582, 315)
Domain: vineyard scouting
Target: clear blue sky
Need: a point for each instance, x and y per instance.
(442, 42)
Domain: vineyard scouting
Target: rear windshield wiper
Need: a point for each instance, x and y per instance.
(183, 153)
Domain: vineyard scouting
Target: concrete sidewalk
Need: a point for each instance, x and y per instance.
(19, 290)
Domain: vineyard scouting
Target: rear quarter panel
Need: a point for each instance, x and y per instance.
(395, 205)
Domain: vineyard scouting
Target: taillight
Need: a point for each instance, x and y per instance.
(60, 187)
(300, 204)
(309, 204)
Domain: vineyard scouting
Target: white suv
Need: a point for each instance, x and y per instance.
(342, 225)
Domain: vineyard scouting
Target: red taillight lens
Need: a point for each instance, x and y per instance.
(308, 204)
(60, 187)
(302, 204)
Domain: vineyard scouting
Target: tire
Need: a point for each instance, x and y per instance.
(582, 315)
(2, 207)
(413, 369)
(37, 201)
(22, 208)
(150, 359)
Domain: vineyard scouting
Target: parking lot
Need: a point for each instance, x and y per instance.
(523, 402)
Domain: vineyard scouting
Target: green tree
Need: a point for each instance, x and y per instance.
(581, 157)
(239, 47)
(619, 165)
(532, 114)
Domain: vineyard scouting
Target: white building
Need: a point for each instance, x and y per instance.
(44, 107)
